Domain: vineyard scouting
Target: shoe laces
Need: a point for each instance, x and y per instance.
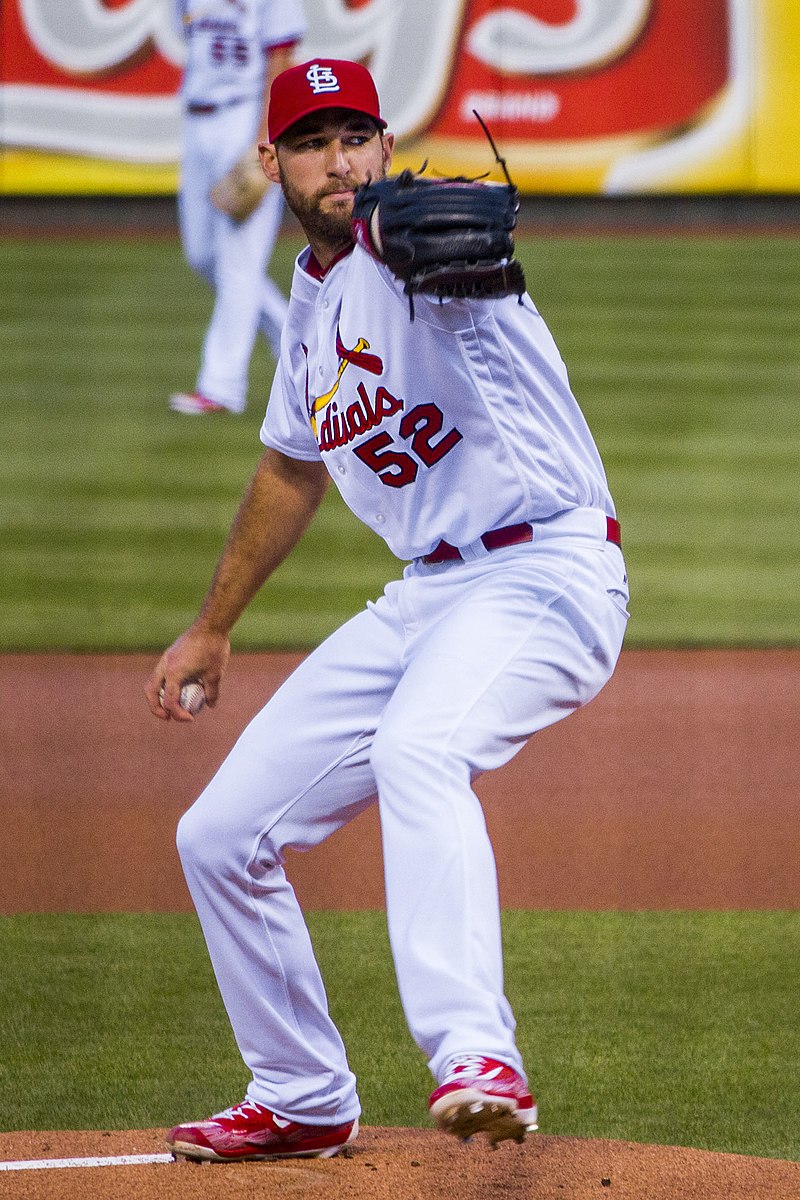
(474, 1065)
(246, 1108)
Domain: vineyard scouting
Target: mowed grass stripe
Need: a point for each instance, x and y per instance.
(704, 371)
(683, 353)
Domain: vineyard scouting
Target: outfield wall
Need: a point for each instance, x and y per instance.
(582, 96)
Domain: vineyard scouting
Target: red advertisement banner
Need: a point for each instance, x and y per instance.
(561, 70)
(47, 43)
(568, 86)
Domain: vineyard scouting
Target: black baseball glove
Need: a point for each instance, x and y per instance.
(446, 237)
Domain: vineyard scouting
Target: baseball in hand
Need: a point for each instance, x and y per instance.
(192, 697)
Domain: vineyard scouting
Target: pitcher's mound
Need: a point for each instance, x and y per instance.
(395, 1164)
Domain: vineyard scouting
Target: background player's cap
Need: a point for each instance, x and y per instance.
(321, 83)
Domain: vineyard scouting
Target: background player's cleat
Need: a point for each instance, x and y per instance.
(482, 1095)
(194, 405)
(251, 1132)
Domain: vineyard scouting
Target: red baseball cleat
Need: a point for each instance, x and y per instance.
(482, 1095)
(251, 1132)
(194, 405)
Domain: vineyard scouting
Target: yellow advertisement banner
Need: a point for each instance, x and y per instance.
(581, 96)
(775, 124)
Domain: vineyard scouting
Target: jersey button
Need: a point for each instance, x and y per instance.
(380, 518)
(342, 469)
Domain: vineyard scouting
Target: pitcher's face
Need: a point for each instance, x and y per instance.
(319, 163)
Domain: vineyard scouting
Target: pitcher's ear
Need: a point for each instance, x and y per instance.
(269, 161)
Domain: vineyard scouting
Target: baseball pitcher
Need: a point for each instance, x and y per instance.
(418, 375)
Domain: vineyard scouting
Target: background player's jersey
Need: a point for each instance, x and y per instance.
(461, 422)
(226, 45)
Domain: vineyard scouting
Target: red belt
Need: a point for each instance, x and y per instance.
(509, 535)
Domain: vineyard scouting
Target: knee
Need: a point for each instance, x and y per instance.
(213, 844)
(194, 837)
(403, 754)
(206, 840)
(197, 249)
(201, 261)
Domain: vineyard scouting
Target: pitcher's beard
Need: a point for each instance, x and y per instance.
(334, 227)
(330, 226)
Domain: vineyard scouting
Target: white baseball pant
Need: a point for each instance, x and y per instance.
(445, 677)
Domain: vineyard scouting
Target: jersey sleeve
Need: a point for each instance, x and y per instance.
(286, 426)
(284, 23)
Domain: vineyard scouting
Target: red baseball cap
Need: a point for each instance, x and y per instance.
(321, 83)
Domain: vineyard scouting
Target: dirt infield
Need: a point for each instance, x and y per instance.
(676, 788)
(400, 1164)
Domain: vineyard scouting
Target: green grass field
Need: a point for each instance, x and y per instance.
(684, 353)
(669, 1028)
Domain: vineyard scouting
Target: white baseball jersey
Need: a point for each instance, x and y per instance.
(226, 45)
(461, 422)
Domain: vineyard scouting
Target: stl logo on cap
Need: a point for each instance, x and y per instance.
(322, 79)
(318, 84)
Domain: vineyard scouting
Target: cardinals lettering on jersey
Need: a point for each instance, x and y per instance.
(346, 419)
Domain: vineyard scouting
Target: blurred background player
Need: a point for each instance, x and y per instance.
(229, 214)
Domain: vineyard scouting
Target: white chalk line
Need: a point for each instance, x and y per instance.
(119, 1160)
